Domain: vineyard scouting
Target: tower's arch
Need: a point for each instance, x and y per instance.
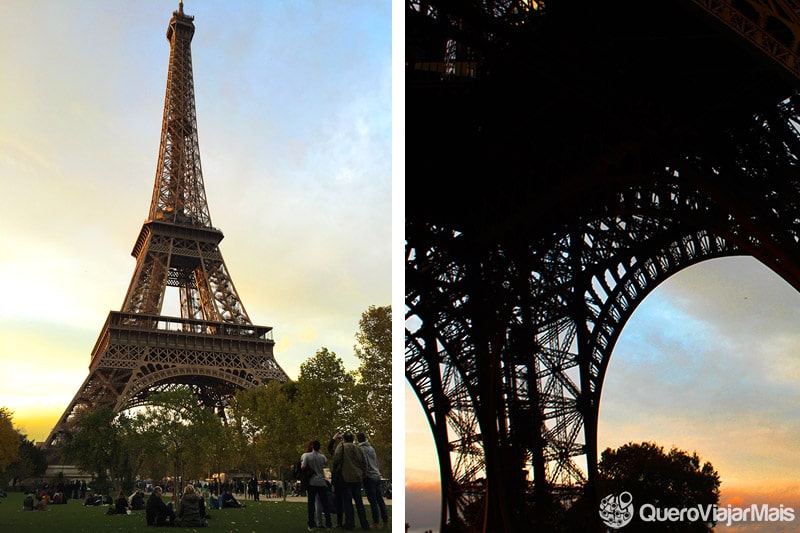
(719, 335)
(510, 343)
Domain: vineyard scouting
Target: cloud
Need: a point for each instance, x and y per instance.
(705, 364)
(293, 110)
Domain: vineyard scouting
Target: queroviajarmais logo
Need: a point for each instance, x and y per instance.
(616, 510)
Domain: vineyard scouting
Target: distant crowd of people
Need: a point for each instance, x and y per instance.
(43, 495)
(254, 489)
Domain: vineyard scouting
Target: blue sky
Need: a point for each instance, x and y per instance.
(294, 118)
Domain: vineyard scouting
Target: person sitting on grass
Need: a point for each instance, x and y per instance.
(228, 500)
(203, 515)
(96, 499)
(27, 505)
(157, 513)
(120, 504)
(42, 505)
(137, 500)
(189, 512)
(213, 501)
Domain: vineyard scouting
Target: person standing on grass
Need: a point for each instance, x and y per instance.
(252, 488)
(372, 481)
(337, 481)
(348, 460)
(316, 463)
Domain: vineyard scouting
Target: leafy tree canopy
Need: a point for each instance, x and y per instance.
(674, 479)
(31, 462)
(95, 447)
(267, 413)
(183, 430)
(373, 394)
(10, 439)
(323, 403)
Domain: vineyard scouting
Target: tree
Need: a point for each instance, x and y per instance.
(97, 448)
(10, 439)
(373, 393)
(269, 410)
(31, 462)
(182, 430)
(324, 400)
(138, 441)
(243, 427)
(665, 480)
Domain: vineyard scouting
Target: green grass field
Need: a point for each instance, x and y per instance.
(261, 516)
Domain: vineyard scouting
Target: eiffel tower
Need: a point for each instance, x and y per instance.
(212, 348)
(564, 158)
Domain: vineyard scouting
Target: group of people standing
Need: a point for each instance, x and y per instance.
(354, 466)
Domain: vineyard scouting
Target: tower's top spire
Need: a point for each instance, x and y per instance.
(179, 18)
(179, 195)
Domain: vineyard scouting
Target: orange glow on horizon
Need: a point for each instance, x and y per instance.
(419, 485)
(788, 495)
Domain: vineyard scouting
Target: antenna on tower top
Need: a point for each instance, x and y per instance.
(180, 6)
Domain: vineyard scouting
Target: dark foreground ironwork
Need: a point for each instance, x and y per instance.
(563, 158)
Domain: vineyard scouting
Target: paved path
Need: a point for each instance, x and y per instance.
(302, 499)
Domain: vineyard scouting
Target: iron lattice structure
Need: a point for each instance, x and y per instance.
(563, 159)
(212, 348)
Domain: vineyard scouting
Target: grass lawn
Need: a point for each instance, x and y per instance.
(261, 516)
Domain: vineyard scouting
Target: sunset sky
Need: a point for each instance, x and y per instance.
(294, 118)
(710, 362)
(295, 106)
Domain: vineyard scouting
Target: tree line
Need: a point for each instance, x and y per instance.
(20, 458)
(262, 432)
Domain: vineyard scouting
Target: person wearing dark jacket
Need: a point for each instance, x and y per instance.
(121, 504)
(337, 482)
(349, 462)
(156, 511)
(228, 500)
(189, 512)
(137, 501)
